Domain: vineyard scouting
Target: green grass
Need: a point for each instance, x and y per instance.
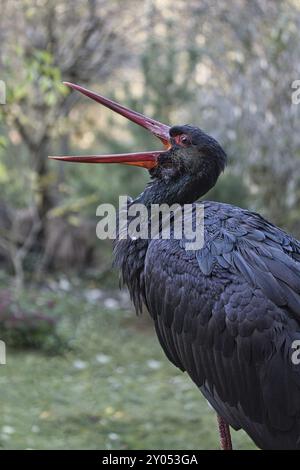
(112, 388)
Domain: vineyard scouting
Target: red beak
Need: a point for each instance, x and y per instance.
(144, 159)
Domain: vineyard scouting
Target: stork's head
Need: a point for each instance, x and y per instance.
(189, 155)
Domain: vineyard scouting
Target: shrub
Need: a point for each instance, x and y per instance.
(21, 328)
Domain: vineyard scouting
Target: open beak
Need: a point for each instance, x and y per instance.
(144, 159)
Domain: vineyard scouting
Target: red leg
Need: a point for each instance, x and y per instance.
(225, 437)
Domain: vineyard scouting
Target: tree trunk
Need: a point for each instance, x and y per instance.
(44, 201)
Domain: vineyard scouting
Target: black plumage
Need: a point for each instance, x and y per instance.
(228, 315)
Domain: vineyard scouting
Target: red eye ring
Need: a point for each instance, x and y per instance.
(182, 139)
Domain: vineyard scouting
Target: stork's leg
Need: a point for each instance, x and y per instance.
(225, 437)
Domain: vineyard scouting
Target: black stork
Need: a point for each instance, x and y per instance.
(228, 313)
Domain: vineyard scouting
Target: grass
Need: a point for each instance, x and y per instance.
(112, 388)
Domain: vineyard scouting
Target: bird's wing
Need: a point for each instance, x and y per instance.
(261, 254)
(228, 315)
(258, 252)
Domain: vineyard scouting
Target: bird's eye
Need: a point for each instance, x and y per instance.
(183, 140)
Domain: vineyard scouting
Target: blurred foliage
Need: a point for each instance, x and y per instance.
(22, 327)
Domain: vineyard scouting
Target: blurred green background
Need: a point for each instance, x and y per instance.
(82, 371)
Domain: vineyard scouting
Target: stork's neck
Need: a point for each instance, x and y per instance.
(183, 190)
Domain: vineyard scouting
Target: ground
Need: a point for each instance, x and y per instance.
(110, 388)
